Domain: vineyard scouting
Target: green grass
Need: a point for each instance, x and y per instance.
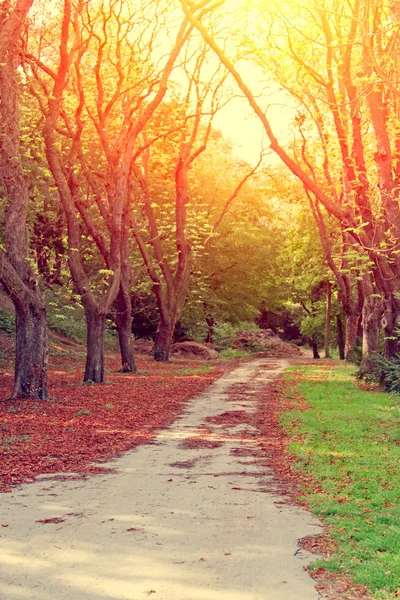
(234, 353)
(7, 322)
(193, 371)
(348, 442)
(10, 440)
(83, 413)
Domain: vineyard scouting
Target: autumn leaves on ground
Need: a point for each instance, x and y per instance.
(82, 426)
(85, 423)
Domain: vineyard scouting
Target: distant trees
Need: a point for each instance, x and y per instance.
(173, 222)
(347, 148)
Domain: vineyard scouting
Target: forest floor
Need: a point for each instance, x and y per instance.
(212, 462)
(82, 423)
(195, 513)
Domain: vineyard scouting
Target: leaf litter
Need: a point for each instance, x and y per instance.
(50, 437)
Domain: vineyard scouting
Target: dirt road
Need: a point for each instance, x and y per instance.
(192, 516)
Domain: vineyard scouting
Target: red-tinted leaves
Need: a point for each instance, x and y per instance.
(51, 437)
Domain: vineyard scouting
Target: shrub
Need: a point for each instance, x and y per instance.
(66, 316)
(7, 323)
(388, 372)
(224, 333)
(355, 355)
(383, 372)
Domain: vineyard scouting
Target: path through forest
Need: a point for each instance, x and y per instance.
(192, 516)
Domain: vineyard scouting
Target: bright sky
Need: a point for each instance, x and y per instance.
(238, 122)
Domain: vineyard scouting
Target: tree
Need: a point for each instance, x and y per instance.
(339, 37)
(176, 230)
(238, 272)
(17, 276)
(96, 101)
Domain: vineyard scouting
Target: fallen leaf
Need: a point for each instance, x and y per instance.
(51, 520)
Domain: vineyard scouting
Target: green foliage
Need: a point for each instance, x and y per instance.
(65, 314)
(356, 355)
(109, 406)
(313, 326)
(234, 353)
(390, 370)
(7, 322)
(348, 442)
(224, 333)
(385, 371)
(83, 412)
(235, 268)
(193, 324)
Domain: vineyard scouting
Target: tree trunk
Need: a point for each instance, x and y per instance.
(314, 347)
(163, 341)
(372, 313)
(390, 324)
(340, 337)
(328, 319)
(351, 339)
(95, 323)
(16, 274)
(210, 329)
(123, 321)
(123, 302)
(31, 352)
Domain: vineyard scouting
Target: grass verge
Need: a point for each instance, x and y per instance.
(349, 443)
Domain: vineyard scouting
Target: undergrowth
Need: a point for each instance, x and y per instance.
(234, 353)
(385, 372)
(65, 316)
(349, 442)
